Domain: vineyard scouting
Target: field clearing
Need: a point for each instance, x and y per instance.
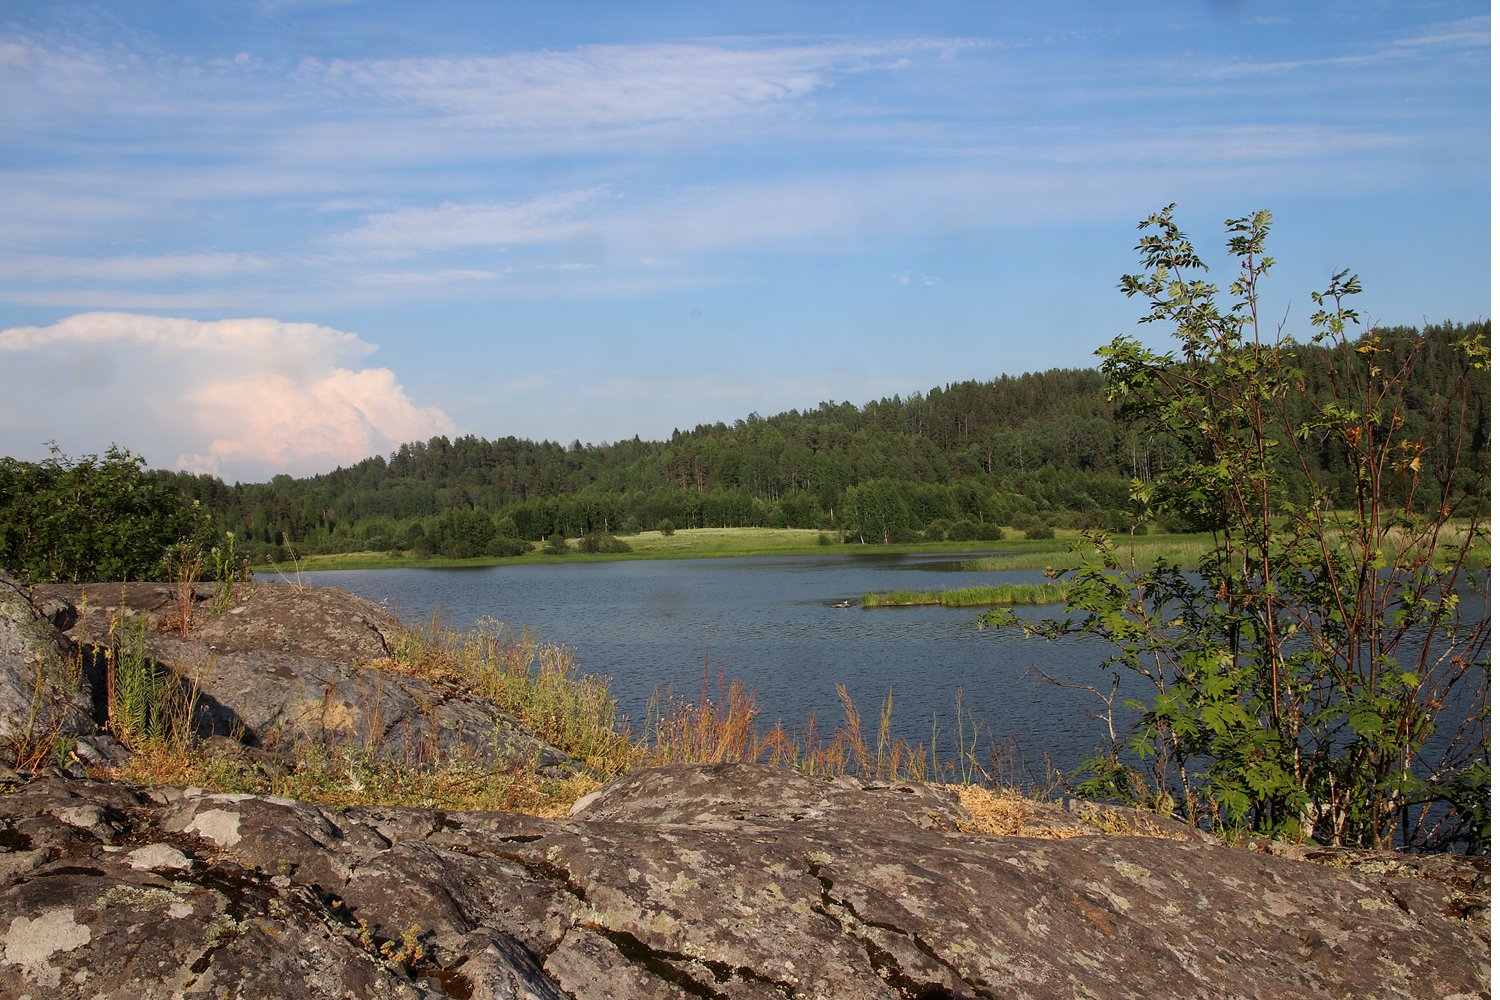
(1014, 553)
(684, 543)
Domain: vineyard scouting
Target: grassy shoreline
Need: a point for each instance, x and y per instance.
(696, 543)
(1059, 553)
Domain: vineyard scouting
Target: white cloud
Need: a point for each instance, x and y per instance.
(135, 267)
(243, 398)
(547, 219)
(608, 86)
(441, 278)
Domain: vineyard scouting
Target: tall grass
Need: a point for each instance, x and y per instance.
(150, 706)
(538, 683)
(722, 727)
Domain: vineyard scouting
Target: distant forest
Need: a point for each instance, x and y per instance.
(1027, 452)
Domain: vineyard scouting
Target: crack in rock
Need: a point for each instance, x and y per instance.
(668, 965)
(882, 962)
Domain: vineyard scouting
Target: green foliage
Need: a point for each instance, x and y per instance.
(600, 541)
(89, 519)
(229, 568)
(148, 705)
(1313, 676)
(666, 527)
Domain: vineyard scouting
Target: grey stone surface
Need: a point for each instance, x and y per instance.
(283, 664)
(44, 693)
(722, 881)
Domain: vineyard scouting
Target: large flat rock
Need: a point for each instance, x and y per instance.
(723, 881)
(280, 665)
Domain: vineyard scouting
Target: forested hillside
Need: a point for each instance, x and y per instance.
(961, 460)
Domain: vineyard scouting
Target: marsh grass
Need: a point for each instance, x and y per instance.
(994, 595)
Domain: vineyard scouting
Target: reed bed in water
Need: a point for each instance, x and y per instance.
(996, 595)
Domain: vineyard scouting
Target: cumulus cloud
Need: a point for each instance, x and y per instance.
(242, 398)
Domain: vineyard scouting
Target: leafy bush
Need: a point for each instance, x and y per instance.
(91, 519)
(504, 547)
(1313, 677)
(963, 530)
(601, 541)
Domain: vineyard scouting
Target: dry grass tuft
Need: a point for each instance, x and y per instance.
(1008, 812)
(998, 814)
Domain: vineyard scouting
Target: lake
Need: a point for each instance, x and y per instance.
(770, 622)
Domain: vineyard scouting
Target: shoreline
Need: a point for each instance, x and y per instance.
(685, 543)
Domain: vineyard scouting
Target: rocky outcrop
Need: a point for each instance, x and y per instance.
(722, 881)
(282, 664)
(44, 695)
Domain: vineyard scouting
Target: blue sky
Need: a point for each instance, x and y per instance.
(262, 236)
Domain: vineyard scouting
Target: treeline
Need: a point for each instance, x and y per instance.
(1028, 452)
(965, 461)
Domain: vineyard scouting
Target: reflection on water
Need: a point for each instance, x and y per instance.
(771, 623)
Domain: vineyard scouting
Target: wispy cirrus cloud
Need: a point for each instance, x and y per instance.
(1469, 36)
(135, 267)
(546, 219)
(615, 86)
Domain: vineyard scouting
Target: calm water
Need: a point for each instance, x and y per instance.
(769, 622)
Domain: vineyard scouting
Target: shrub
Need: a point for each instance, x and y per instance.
(963, 530)
(503, 547)
(1312, 676)
(66, 520)
(602, 541)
